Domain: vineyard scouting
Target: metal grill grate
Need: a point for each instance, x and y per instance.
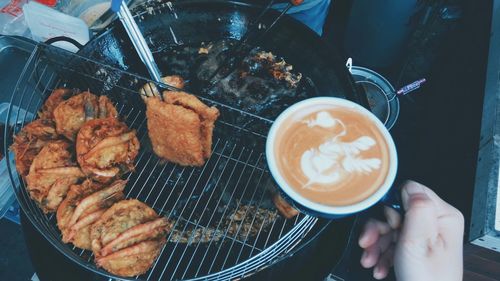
(225, 226)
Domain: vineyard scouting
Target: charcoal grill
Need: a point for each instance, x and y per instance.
(200, 200)
(225, 224)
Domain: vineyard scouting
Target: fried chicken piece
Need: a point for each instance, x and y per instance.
(55, 98)
(128, 238)
(51, 174)
(181, 127)
(29, 141)
(106, 148)
(283, 207)
(71, 114)
(83, 206)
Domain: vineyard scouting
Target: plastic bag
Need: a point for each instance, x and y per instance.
(12, 18)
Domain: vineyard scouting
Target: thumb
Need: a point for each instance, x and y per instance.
(421, 223)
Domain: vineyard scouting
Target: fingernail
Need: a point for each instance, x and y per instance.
(362, 241)
(377, 273)
(363, 257)
(393, 218)
(391, 221)
(410, 188)
(413, 187)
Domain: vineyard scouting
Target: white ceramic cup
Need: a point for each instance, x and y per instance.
(315, 208)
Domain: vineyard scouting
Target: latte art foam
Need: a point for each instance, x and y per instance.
(332, 155)
(334, 160)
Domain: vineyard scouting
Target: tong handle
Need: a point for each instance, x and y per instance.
(136, 37)
(115, 5)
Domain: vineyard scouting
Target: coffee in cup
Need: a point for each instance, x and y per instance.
(331, 156)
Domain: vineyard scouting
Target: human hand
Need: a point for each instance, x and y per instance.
(427, 246)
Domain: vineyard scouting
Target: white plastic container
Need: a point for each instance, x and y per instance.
(88, 10)
(46, 23)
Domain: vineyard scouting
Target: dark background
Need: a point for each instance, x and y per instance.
(437, 134)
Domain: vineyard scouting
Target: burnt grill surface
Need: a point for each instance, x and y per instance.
(175, 39)
(248, 85)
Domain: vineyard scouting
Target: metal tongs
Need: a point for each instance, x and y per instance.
(235, 55)
(135, 35)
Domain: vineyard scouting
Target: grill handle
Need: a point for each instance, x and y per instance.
(135, 35)
(64, 39)
(342, 270)
(393, 198)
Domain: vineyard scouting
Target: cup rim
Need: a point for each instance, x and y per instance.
(322, 208)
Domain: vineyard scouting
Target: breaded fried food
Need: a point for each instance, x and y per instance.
(83, 206)
(128, 238)
(71, 114)
(150, 90)
(134, 260)
(51, 174)
(207, 115)
(284, 208)
(180, 128)
(117, 219)
(106, 148)
(29, 141)
(55, 98)
(174, 81)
